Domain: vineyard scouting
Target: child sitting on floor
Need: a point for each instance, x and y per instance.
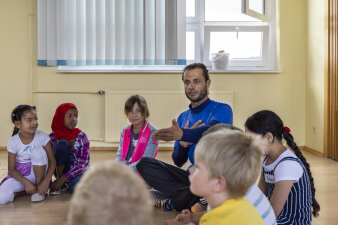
(226, 165)
(254, 194)
(70, 146)
(286, 178)
(136, 141)
(110, 193)
(31, 161)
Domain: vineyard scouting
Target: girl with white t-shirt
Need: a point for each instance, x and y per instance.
(31, 161)
(286, 178)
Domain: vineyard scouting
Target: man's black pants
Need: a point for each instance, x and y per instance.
(170, 180)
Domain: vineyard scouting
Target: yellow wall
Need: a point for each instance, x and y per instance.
(317, 29)
(283, 93)
(15, 61)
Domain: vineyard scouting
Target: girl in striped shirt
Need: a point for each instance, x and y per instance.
(70, 146)
(286, 179)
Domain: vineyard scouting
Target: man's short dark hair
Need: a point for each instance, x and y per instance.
(197, 66)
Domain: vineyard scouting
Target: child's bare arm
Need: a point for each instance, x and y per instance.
(57, 184)
(29, 186)
(196, 217)
(51, 161)
(186, 218)
(43, 186)
(262, 185)
(280, 194)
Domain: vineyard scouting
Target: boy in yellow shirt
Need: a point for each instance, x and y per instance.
(226, 165)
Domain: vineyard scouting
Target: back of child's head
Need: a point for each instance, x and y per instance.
(266, 121)
(221, 126)
(231, 154)
(17, 114)
(110, 193)
(141, 102)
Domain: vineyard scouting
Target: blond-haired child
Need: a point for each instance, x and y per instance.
(110, 193)
(254, 194)
(227, 163)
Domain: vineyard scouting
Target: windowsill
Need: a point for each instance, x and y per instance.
(122, 69)
(245, 71)
(151, 69)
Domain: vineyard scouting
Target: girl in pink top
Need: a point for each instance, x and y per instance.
(136, 141)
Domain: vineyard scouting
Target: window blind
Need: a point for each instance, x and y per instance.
(111, 32)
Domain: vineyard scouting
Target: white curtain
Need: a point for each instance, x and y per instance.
(111, 32)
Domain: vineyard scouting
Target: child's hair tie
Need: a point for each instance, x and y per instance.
(286, 129)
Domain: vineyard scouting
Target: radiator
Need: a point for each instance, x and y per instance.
(163, 107)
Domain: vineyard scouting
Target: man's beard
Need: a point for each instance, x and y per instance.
(201, 96)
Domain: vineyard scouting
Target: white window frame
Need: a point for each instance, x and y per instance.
(198, 50)
(267, 27)
(252, 13)
(194, 24)
(234, 28)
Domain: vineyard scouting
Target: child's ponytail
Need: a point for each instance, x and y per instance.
(290, 141)
(17, 114)
(15, 131)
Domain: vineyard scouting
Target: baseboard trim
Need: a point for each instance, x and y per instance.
(311, 150)
(103, 148)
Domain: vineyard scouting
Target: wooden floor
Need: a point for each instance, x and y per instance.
(53, 210)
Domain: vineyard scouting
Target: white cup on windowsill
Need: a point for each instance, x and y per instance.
(219, 61)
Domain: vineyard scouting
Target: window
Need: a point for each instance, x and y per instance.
(156, 32)
(111, 32)
(243, 28)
